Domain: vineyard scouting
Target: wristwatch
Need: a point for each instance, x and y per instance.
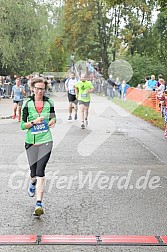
(32, 123)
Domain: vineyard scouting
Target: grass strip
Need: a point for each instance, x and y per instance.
(148, 114)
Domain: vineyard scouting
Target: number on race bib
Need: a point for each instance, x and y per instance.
(84, 95)
(39, 128)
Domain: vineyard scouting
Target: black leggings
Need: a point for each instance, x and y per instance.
(38, 156)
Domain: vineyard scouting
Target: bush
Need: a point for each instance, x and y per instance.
(145, 66)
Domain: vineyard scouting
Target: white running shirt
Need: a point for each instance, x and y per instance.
(70, 84)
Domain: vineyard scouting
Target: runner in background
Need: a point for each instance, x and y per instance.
(17, 93)
(70, 84)
(83, 90)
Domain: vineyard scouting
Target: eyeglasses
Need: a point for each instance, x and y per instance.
(39, 89)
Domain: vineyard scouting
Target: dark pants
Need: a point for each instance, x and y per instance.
(38, 157)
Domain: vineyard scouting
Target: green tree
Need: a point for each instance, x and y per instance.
(23, 29)
(109, 29)
(57, 43)
(88, 30)
(160, 32)
(163, 4)
(145, 66)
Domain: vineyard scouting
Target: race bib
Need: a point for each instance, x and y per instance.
(39, 128)
(72, 91)
(84, 95)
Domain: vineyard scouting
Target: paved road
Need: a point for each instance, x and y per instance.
(107, 179)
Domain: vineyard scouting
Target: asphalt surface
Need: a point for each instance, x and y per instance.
(109, 178)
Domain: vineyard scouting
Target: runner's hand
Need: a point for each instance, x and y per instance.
(51, 123)
(39, 120)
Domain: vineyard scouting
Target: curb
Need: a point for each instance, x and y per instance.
(6, 117)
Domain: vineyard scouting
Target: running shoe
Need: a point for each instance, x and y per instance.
(86, 122)
(38, 210)
(19, 119)
(31, 190)
(14, 116)
(75, 117)
(83, 125)
(70, 118)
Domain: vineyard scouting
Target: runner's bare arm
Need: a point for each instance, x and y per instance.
(91, 90)
(12, 93)
(76, 92)
(23, 91)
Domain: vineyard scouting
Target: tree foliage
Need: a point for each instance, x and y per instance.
(145, 66)
(88, 29)
(115, 28)
(160, 33)
(40, 35)
(163, 4)
(23, 36)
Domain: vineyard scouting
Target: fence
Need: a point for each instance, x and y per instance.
(5, 90)
(143, 97)
(146, 98)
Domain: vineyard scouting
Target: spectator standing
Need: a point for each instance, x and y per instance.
(146, 79)
(123, 88)
(79, 69)
(165, 134)
(30, 91)
(110, 88)
(161, 87)
(1, 86)
(151, 83)
(160, 76)
(53, 84)
(117, 87)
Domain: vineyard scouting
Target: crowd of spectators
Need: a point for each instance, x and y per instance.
(109, 87)
(7, 82)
